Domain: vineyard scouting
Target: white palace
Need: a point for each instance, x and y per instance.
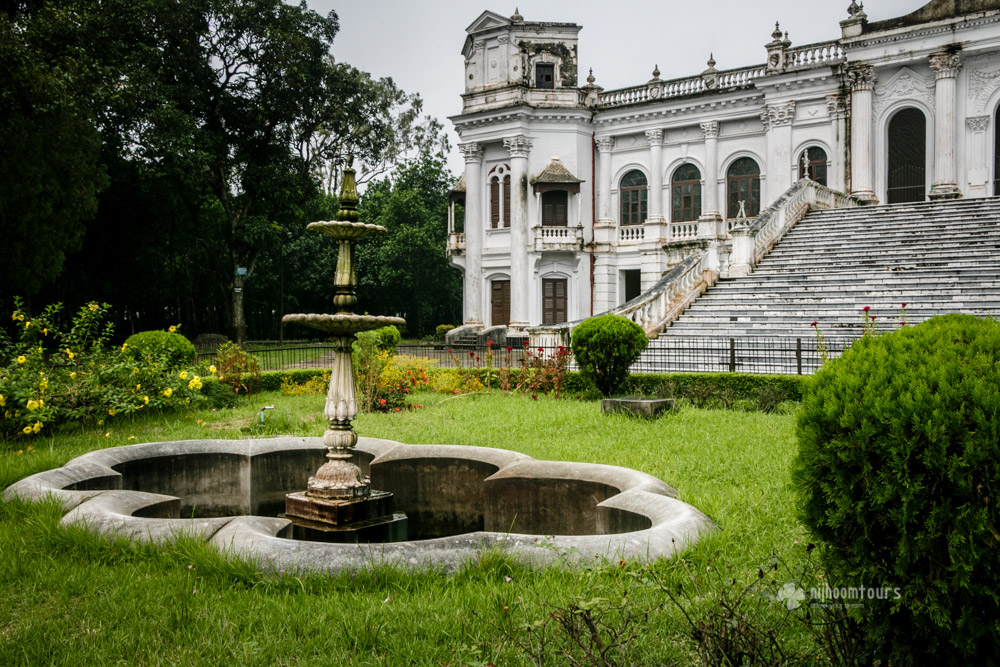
(577, 199)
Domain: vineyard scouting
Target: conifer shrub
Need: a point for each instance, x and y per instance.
(898, 471)
(172, 347)
(604, 347)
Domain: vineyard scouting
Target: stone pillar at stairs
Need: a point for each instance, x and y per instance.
(862, 80)
(944, 186)
(474, 225)
(518, 147)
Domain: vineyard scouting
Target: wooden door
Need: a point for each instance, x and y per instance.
(500, 302)
(553, 300)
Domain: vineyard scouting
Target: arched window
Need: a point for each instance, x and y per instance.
(812, 163)
(633, 194)
(685, 193)
(743, 184)
(500, 196)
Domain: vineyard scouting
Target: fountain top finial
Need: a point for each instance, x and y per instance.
(348, 194)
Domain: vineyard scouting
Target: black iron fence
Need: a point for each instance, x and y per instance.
(721, 354)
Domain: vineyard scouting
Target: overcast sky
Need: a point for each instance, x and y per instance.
(419, 42)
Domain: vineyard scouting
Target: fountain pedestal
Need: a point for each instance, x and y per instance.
(338, 504)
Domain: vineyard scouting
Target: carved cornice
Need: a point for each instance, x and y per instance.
(503, 39)
(861, 77)
(517, 146)
(605, 144)
(472, 152)
(776, 115)
(655, 137)
(479, 44)
(977, 123)
(710, 129)
(945, 65)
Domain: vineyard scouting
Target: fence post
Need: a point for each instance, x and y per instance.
(732, 355)
(798, 355)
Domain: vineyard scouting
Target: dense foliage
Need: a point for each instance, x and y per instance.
(605, 346)
(898, 472)
(165, 347)
(180, 148)
(52, 375)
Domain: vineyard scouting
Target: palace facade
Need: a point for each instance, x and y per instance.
(577, 199)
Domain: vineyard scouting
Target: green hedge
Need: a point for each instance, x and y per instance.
(271, 380)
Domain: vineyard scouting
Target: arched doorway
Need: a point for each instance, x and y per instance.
(907, 157)
(743, 185)
(996, 153)
(812, 163)
(685, 194)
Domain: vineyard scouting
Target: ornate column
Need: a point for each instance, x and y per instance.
(944, 186)
(518, 147)
(604, 147)
(710, 215)
(777, 119)
(655, 138)
(862, 80)
(836, 106)
(976, 142)
(472, 288)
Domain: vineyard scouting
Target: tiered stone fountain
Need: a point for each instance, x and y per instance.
(338, 504)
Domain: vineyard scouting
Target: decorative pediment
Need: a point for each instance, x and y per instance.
(904, 85)
(984, 80)
(487, 21)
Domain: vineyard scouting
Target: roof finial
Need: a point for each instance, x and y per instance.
(711, 61)
(590, 77)
(516, 16)
(787, 41)
(656, 71)
(776, 35)
(853, 9)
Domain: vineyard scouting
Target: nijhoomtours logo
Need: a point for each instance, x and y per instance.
(794, 596)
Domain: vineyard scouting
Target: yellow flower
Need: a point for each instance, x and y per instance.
(168, 392)
(21, 359)
(100, 422)
(138, 387)
(107, 434)
(195, 383)
(26, 430)
(45, 331)
(145, 400)
(37, 427)
(172, 328)
(69, 353)
(124, 345)
(13, 316)
(72, 375)
(32, 405)
(183, 375)
(3, 400)
(211, 369)
(20, 451)
(131, 437)
(27, 324)
(112, 412)
(92, 306)
(7, 414)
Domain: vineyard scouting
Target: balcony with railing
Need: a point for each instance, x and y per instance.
(557, 238)
(456, 243)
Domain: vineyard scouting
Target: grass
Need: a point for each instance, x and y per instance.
(67, 597)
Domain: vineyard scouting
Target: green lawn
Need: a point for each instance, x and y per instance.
(69, 598)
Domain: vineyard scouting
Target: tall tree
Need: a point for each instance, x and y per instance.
(50, 175)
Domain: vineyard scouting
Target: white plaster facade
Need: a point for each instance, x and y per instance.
(840, 96)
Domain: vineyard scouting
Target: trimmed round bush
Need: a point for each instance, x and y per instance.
(898, 471)
(605, 346)
(173, 347)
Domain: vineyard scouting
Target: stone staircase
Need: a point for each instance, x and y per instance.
(936, 257)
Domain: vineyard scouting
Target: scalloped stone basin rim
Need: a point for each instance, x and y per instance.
(459, 501)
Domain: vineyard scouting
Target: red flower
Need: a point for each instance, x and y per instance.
(417, 407)
(526, 343)
(489, 343)
(873, 317)
(397, 409)
(814, 324)
(904, 304)
(902, 324)
(472, 354)
(866, 308)
(382, 402)
(509, 348)
(449, 350)
(541, 349)
(477, 357)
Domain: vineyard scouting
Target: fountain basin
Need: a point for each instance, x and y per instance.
(458, 500)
